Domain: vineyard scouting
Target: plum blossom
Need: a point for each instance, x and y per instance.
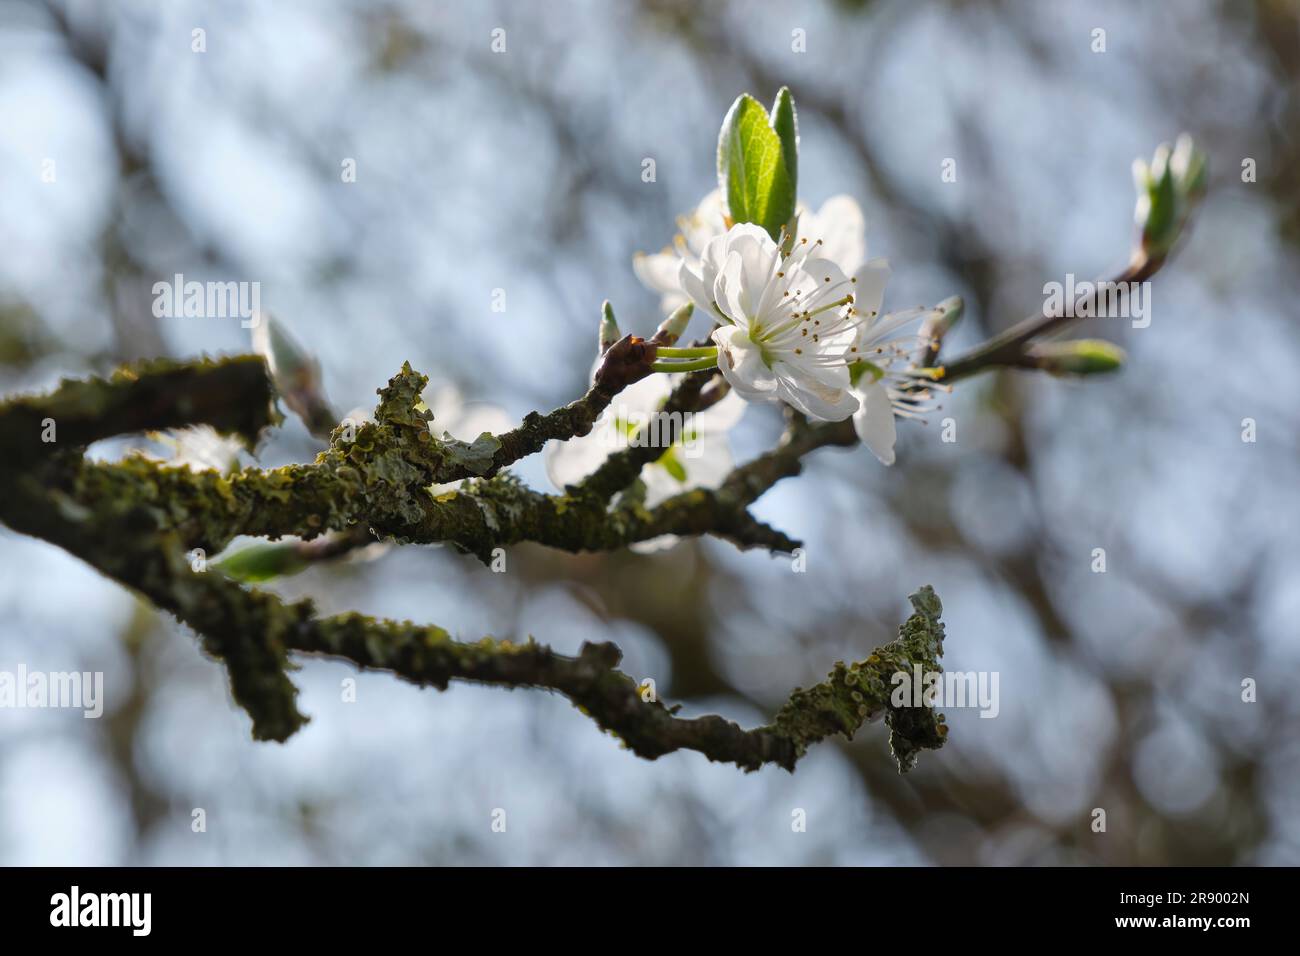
(793, 328)
(465, 420)
(658, 271)
(839, 223)
(789, 329)
(884, 382)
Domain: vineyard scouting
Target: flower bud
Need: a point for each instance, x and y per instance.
(263, 561)
(944, 316)
(1187, 163)
(671, 329)
(1078, 357)
(296, 375)
(1167, 190)
(609, 333)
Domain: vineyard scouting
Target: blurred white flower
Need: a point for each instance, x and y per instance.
(700, 458)
(201, 447)
(453, 415)
(658, 271)
(839, 224)
(462, 420)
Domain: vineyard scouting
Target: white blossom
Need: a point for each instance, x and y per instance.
(790, 326)
(839, 223)
(885, 383)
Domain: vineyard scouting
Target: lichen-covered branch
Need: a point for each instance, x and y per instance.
(127, 543)
(626, 361)
(850, 696)
(380, 480)
(139, 521)
(233, 395)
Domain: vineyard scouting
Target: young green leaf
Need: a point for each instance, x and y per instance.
(786, 123)
(752, 171)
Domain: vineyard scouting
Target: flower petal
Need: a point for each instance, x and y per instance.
(874, 422)
(721, 416)
(658, 270)
(869, 290)
(843, 231)
(741, 363)
(704, 223)
(812, 398)
(691, 277)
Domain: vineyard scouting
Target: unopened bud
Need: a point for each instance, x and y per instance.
(940, 321)
(295, 373)
(609, 333)
(1167, 190)
(671, 329)
(1078, 357)
(263, 561)
(1187, 163)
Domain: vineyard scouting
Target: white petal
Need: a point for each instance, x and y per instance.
(479, 417)
(758, 255)
(748, 231)
(722, 416)
(644, 396)
(741, 363)
(706, 464)
(704, 223)
(812, 398)
(874, 422)
(568, 462)
(658, 270)
(459, 418)
(707, 460)
(661, 543)
(804, 367)
(843, 231)
(729, 291)
(691, 278)
(869, 290)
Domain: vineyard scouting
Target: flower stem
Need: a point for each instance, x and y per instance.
(693, 365)
(703, 351)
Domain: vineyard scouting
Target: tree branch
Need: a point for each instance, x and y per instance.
(1008, 348)
(135, 519)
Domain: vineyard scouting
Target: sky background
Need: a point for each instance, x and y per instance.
(521, 171)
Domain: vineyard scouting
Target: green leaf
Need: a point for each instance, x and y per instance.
(786, 123)
(670, 463)
(752, 171)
